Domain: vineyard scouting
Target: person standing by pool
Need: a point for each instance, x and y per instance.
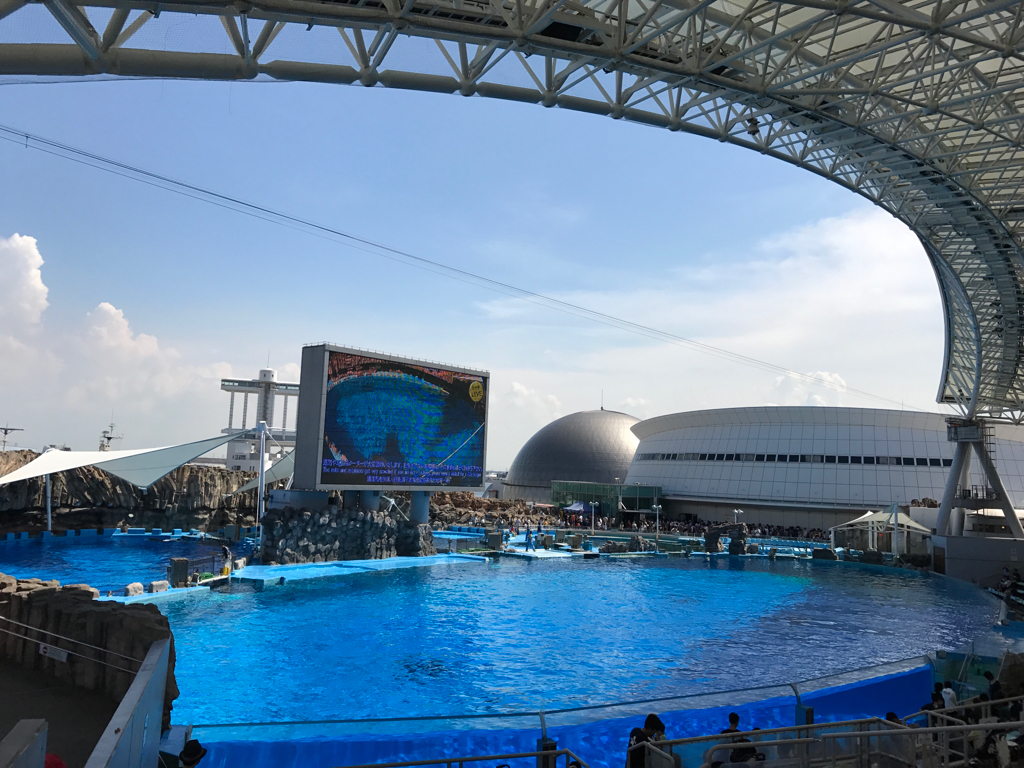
(529, 540)
(948, 695)
(653, 730)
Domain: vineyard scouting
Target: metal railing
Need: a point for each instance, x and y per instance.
(30, 634)
(850, 744)
(544, 758)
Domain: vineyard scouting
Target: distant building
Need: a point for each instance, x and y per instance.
(810, 467)
(590, 446)
(494, 483)
(243, 454)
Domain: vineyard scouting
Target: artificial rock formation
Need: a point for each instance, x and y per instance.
(72, 611)
(305, 536)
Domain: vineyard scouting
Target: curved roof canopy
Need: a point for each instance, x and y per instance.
(141, 467)
(915, 105)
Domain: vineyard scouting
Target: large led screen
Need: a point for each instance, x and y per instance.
(401, 424)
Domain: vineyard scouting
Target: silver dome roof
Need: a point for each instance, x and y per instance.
(589, 446)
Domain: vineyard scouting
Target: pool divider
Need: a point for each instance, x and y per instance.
(598, 733)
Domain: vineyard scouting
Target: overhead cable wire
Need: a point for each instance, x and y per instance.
(381, 250)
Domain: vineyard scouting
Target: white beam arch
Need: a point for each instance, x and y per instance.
(914, 105)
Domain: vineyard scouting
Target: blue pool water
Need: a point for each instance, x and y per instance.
(514, 635)
(107, 562)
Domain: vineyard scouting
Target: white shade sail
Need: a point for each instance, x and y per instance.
(884, 519)
(141, 467)
(281, 470)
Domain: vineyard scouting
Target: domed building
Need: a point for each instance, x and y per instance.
(589, 446)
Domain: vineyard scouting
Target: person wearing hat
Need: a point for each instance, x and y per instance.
(653, 730)
(191, 754)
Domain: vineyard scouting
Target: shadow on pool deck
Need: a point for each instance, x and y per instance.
(75, 717)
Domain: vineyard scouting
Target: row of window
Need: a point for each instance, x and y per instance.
(792, 458)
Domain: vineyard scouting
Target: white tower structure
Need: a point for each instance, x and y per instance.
(244, 453)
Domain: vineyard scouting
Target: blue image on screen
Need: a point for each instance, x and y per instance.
(397, 424)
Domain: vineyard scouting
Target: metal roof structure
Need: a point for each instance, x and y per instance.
(914, 105)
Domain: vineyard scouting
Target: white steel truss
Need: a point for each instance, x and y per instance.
(914, 105)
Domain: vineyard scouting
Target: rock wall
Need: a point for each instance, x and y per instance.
(71, 611)
(304, 536)
(191, 496)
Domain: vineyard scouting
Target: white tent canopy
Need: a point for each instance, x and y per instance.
(141, 467)
(881, 520)
(281, 470)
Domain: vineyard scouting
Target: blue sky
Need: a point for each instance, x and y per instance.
(145, 298)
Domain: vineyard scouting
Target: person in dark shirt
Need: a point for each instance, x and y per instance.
(734, 723)
(653, 730)
(995, 688)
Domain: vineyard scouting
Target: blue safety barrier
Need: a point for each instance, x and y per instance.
(602, 742)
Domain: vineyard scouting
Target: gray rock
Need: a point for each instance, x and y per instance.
(158, 586)
(135, 588)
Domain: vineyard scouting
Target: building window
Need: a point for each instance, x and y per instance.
(947, 462)
(818, 458)
(769, 457)
(908, 462)
(719, 457)
(855, 459)
(843, 459)
(794, 457)
(935, 462)
(759, 457)
(830, 459)
(730, 456)
(869, 459)
(806, 458)
(922, 462)
(747, 456)
(703, 457)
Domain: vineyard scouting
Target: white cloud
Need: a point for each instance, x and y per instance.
(108, 329)
(62, 383)
(852, 293)
(793, 390)
(22, 293)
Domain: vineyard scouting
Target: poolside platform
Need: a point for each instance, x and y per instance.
(174, 593)
(262, 576)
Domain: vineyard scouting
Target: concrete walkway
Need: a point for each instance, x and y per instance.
(75, 717)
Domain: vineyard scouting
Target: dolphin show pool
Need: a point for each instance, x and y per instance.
(336, 670)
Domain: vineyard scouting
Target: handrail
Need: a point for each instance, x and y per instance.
(28, 639)
(755, 744)
(917, 731)
(762, 732)
(69, 639)
(555, 753)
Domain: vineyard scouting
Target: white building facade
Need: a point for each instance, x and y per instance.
(244, 453)
(811, 467)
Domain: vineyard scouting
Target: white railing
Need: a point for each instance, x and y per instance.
(132, 737)
(24, 746)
